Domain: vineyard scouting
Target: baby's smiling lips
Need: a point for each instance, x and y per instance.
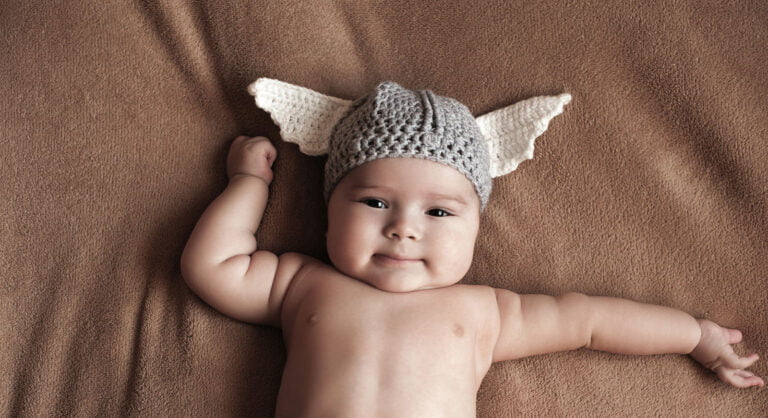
(395, 259)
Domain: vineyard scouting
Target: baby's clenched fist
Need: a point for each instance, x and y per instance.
(252, 157)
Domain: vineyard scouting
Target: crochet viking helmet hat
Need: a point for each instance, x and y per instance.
(393, 122)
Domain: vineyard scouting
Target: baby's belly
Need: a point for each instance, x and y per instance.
(392, 366)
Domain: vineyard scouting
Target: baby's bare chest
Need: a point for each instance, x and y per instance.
(385, 323)
(338, 321)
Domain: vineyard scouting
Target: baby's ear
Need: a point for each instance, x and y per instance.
(305, 117)
(511, 131)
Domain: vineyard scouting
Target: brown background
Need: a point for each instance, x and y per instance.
(117, 116)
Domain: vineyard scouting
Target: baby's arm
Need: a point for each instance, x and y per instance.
(220, 262)
(535, 324)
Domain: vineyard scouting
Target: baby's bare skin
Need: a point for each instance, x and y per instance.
(354, 350)
(386, 330)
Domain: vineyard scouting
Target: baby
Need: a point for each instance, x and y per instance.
(386, 330)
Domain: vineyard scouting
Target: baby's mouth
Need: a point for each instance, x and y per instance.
(395, 260)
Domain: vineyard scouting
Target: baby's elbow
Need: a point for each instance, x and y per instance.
(188, 268)
(197, 271)
(192, 272)
(192, 267)
(574, 301)
(576, 309)
(190, 260)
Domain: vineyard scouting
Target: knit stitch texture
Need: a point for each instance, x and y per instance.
(394, 122)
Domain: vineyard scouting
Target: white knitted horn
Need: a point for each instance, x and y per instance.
(511, 131)
(305, 117)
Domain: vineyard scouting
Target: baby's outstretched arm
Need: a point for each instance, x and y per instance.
(535, 324)
(220, 262)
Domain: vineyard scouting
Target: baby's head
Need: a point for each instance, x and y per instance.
(394, 122)
(406, 178)
(408, 173)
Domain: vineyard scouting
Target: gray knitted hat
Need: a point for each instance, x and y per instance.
(396, 122)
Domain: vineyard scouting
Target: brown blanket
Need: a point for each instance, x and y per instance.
(117, 116)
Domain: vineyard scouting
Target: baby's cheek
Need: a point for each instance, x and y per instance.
(456, 258)
(350, 248)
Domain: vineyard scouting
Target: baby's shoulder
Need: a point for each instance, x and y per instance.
(312, 276)
(468, 292)
(479, 298)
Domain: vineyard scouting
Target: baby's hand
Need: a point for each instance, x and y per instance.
(714, 352)
(251, 156)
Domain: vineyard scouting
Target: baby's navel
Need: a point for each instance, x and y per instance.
(458, 330)
(312, 319)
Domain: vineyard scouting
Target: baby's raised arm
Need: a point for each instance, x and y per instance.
(535, 324)
(220, 262)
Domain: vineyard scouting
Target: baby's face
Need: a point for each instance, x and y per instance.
(403, 224)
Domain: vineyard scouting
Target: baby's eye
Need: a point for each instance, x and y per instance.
(438, 213)
(375, 203)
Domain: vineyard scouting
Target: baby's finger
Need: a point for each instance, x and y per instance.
(271, 154)
(733, 335)
(743, 373)
(739, 378)
(734, 361)
(240, 139)
(754, 380)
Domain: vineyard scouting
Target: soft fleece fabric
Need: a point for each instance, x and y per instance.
(117, 116)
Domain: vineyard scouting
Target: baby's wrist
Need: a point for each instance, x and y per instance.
(700, 322)
(241, 175)
(703, 350)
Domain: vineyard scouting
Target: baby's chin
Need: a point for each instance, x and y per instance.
(403, 285)
(395, 280)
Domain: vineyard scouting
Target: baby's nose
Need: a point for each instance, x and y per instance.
(401, 235)
(402, 228)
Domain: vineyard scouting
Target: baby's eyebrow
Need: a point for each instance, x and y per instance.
(451, 197)
(458, 199)
(366, 187)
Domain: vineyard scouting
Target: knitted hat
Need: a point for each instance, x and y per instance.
(397, 122)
